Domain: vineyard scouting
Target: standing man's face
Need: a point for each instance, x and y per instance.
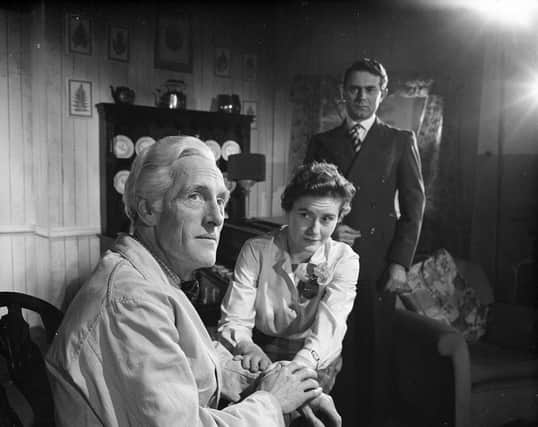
(363, 95)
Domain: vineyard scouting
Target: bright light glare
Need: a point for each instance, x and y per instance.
(516, 12)
(513, 12)
(533, 86)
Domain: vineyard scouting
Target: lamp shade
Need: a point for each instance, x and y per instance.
(246, 166)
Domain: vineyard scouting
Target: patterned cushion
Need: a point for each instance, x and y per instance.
(437, 290)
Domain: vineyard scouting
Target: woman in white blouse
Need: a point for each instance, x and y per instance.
(292, 290)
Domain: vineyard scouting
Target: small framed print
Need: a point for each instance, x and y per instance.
(223, 58)
(173, 42)
(80, 98)
(118, 43)
(249, 108)
(79, 34)
(249, 67)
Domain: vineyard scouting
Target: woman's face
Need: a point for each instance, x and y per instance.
(311, 221)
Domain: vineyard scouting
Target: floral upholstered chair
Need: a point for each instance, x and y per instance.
(478, 356)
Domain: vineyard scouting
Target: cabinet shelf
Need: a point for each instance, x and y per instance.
(135, 122)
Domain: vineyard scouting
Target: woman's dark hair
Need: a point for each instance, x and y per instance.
(318, 179)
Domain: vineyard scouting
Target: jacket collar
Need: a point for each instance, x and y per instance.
(143, 261)
(140, 258)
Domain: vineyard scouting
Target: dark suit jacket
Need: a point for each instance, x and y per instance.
(387, 162)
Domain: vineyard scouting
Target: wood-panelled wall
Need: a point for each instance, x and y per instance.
(49, 171)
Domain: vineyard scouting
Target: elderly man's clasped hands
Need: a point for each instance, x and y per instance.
(296, 386)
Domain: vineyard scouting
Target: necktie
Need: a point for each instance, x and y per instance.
(356, 133)
(191, 289)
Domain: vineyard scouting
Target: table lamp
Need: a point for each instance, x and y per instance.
(246, 169)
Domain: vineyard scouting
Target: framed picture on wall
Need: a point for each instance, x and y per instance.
(249, 67)
(78, 34)
(79, 94)
(223, 61)
(173, 42)
(118, 43)
(249, 108)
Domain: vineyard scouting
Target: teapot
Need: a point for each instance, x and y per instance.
(122, 95)
(170, 95)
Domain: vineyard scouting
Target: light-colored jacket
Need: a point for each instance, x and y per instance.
(132, 351)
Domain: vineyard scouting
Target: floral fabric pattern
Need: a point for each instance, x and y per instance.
(435, 289)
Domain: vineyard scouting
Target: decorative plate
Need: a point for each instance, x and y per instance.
(122, 146)
(119, 180)
(215, 147)
(143, 142)
(230, 147)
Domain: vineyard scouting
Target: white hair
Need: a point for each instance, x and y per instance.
(154, 171)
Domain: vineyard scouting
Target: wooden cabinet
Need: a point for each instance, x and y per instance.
(135, 122)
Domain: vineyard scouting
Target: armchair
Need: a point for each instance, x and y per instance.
(441, 380)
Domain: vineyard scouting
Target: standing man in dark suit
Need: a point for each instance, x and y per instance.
(384, 164)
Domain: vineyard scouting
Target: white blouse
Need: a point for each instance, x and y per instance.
(263, 293)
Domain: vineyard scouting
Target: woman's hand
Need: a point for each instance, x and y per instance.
(292, 385)
(252, 356)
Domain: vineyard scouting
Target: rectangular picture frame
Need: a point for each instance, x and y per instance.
(118, 43)
(250, 109)
(80, 98)
(79, 37)
(173, 42)
(249, 65)
(223, 61)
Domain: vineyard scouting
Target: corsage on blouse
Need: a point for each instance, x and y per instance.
(311, 277)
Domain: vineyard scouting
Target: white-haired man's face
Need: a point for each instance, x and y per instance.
(188, 228)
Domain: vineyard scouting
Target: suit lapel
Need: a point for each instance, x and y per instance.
(340, 146)
(373, 146)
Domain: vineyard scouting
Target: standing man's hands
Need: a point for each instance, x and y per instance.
(396, 278)
(291, 384)
(344, 233)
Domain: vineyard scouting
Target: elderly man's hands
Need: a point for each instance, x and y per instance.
(321, 412)
(252, 356)
(292, 385)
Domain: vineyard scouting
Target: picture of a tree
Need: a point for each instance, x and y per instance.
(80, 101)
(118, 43)
(80, 98)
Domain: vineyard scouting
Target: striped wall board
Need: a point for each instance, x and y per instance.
(49, 170)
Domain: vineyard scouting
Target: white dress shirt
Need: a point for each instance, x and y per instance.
(365, 125)
(263, 293)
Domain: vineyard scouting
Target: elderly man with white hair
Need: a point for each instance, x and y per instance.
(132, 349)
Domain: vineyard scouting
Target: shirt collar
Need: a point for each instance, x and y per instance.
(366, 124)
(284, 257)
